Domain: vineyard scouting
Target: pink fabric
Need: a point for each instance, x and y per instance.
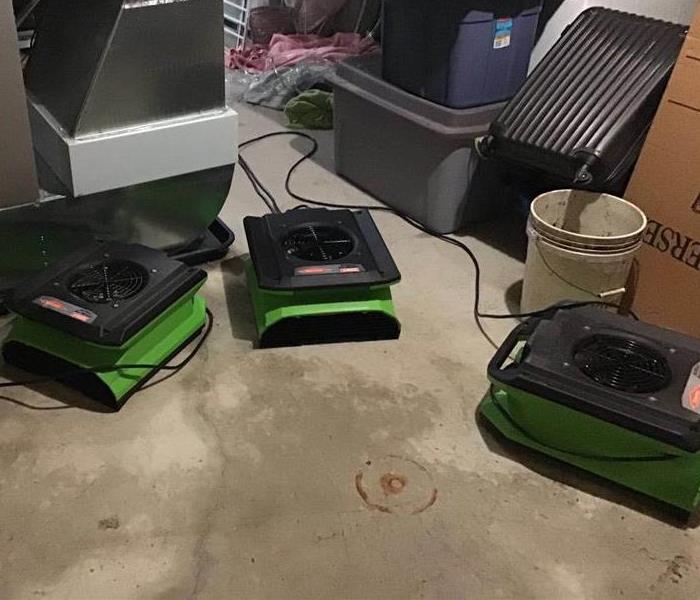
(285, 50)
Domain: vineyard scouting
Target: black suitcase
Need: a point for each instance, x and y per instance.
(582, 115)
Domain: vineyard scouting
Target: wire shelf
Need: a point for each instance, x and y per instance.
(235, 23)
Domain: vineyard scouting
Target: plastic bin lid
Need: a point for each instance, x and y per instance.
(476, 11)
(362, 75)
(481, 11)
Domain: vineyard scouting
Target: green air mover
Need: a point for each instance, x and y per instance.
(320, 276)
(610, 395)
(110, 305)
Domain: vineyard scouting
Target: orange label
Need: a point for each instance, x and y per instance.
(695, 398)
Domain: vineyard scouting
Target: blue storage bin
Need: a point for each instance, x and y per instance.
(459, 53)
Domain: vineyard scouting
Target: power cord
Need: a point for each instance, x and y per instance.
(290, 173)
(539, 313)
(174, 369)
(477, 314)
(259, 188)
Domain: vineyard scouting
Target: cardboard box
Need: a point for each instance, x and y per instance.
(695, 25)
(666, 186)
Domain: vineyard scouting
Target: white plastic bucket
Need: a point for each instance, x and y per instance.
(581, 248)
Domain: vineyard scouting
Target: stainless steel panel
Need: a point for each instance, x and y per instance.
(67, 51)
(162, 214)
(109, 64)
(164, 60)
(18, 183)
(135, 155)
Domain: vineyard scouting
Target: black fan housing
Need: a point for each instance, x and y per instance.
(614, 368)
(318, 243)
(318, 248)
(109, 281)
(105, 293)
(623, 364)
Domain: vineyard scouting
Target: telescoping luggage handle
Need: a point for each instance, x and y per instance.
(521, 333)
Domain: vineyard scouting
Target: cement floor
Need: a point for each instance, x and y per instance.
(238, 479)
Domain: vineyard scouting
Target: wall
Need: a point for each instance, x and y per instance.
(558, 14)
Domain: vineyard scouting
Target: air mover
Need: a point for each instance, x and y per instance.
(610, 395)
(319, 276)
(110, 305)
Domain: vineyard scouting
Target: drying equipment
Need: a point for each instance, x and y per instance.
(320, 276)
(583, 114)
(110, 305)
(605, 393)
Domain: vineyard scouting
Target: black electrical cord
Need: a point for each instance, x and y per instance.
(246, 169)
(297, 164)
(539, 313)
(601, 457)
(477, 314)
(259, 188)
(111, 368)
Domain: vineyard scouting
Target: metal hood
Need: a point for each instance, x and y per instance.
(100, 65)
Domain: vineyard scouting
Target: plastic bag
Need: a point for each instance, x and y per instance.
(275, 88)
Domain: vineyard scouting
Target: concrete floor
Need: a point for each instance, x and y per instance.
(239, 478)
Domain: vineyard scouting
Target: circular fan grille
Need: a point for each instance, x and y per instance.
(109, 281)
(622, 364)
(318, 243)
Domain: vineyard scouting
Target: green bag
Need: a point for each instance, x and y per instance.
(312, 109)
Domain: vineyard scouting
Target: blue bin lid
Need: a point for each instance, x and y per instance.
(480, 16)
(480, 11)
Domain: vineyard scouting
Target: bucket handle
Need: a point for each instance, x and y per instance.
(601, 295)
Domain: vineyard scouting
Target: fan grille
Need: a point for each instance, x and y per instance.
(109, 282)
(623, 364)
(318, 243)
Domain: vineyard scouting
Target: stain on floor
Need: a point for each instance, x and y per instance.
(238, 478)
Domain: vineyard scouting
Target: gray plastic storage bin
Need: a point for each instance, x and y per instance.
(410, 153)
(459, 53)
